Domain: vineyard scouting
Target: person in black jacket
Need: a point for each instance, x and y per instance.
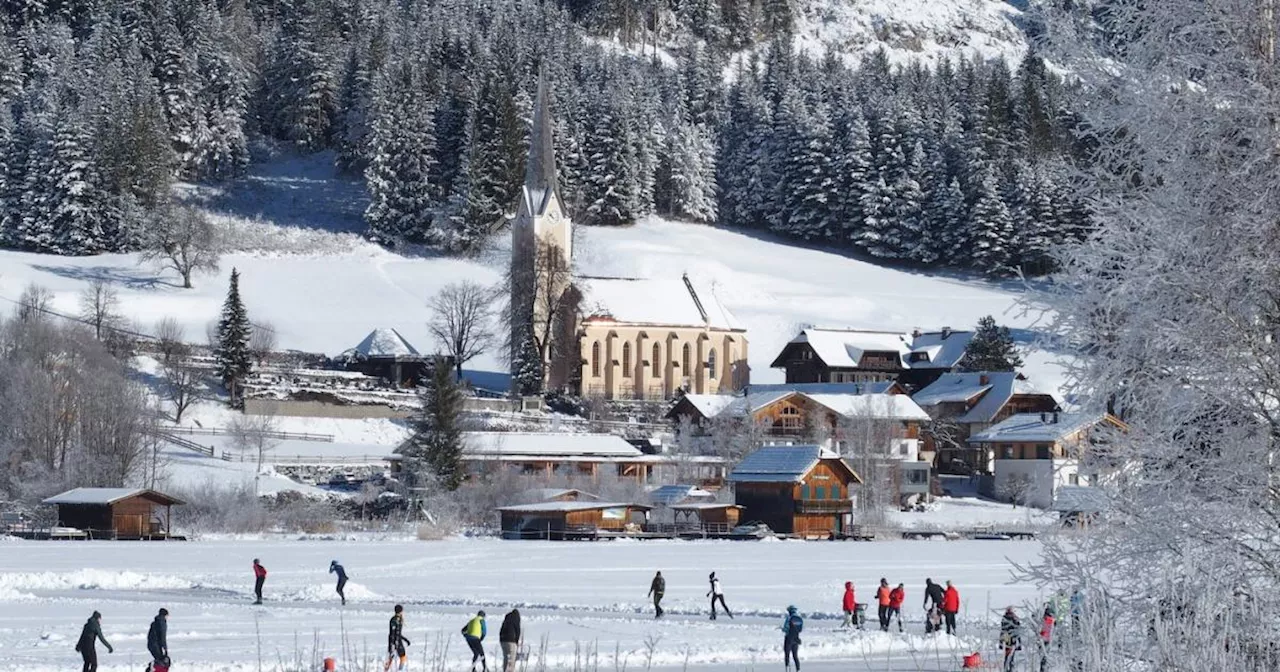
(91, 633)
(335, 568)
(396, 641)
(657, 589)
(158, 638)
(509, 636)
(932, 604)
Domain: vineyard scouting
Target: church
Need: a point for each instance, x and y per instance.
(605, 337)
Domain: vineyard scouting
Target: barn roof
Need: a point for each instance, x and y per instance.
(781, 464)
(1079, 499)
(548, 494)
(570, 507)
(105, 496)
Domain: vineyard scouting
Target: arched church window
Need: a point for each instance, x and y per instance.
(684, 360)
(711, 362)
(626, 360)
(595, 359)
(656, 361)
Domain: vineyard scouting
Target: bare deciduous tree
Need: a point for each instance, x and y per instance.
(34, 302)
(461, 315)
(182, 385)
(99, 308)
(541, 302)
(171, 339)
(254, 434)
(183, 239)
(262, 341)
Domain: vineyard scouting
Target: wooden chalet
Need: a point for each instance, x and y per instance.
(802, 490)
(116, 513)
(964, 404)
(859, 356)
(570, 520)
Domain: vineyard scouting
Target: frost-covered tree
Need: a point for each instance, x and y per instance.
(402, 201)
(183, 239)
(1171, 312)
(233, 358)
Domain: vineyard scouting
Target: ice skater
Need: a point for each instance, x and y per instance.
(716, 594)
(89, 636)
(658, 588)
(259, 578)
(1010, 637)
(950, 607)
(158, 639)
(849, 605)
(509, 638)
(882, 601)
(335, 568)
(474, 632)
(396, 641)
(792, 625)
(896, 597)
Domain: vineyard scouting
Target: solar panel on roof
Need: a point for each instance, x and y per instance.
(776, 463)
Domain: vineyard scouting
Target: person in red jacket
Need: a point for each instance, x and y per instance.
(950, 607)
(848, 604)
(259, 578)
(1046, 637)
(882, 599)
(896, 597)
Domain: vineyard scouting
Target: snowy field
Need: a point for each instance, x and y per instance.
(578, 596)
(324, 288)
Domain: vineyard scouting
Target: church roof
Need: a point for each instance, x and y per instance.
(540, 168)
(660, 302)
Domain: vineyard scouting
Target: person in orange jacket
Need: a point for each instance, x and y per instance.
(882, 598)
(848, 604)
(896, 597)
(950, 607)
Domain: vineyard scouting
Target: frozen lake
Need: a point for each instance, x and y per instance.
(577, 597)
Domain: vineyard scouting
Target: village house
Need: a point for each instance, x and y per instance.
(570, 519)
(801, 490)
(546, 456)
(852, 355)
(611, 338)
(1037, 454)
(964, 404)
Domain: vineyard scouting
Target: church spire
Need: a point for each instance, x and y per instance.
(540, 170)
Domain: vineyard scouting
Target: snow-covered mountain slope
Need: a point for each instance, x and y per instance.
(911, 29)
(324, 292)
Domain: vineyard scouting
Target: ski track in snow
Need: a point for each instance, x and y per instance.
(579, 596)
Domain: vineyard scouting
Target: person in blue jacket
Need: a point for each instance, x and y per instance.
(335, 568)
(792, 625)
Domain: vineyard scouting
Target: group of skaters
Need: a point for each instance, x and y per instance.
(941, 604)
(658, 589)
(157, 642)
(1012, 627)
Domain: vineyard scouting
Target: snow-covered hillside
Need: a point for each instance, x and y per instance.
(912, 29)
(324, 291)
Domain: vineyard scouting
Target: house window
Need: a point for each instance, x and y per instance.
(657, 358)
(820, 492)
(1043, 451)
(1006, 451)
(626, 360)
(1074, 479)
(595, 359)
(804, 492)
(711, 362)
(684, 359)
(789, 418)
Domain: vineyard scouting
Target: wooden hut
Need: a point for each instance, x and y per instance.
(568, 520)
(709, 517)
(116, 513)
(800, 490)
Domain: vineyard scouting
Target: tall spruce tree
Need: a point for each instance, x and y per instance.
(991, 349)
(433, 454)
(232, 357)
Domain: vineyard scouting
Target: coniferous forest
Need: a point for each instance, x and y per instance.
(106, 103)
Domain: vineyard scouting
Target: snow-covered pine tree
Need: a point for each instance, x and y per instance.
(300, 89)
(176, 77)
(990, 227)
(743, 167)
(992, 349)
(527, 369)
(908, 230)
(402, 152)
(805, 205)
(221, 150)
(497, 155)
(854, 168)
(75, 202)
(433, 455)
(231, 355)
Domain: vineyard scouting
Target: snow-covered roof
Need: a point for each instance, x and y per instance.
(993, 389)
(872, 406)
(679, 302)
(704, 506)
(548, 494)
(1079, 498)
(844, 348)
(877, 387)
(674, 494)
(710, 405)
(384, 342)
(569, 507)
(780, 464)
(1043, 427)
(106, 496)
(534, 444)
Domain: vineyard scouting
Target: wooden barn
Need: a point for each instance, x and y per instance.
(801, 490)
(569, 520)
(709, 516)
(116, 513)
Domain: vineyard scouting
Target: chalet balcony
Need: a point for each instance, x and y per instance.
(824, 506)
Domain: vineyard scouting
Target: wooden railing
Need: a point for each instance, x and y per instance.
(219, 431)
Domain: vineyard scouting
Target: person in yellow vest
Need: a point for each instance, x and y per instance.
(474, 632)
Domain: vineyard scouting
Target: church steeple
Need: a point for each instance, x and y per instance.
(540, 170)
